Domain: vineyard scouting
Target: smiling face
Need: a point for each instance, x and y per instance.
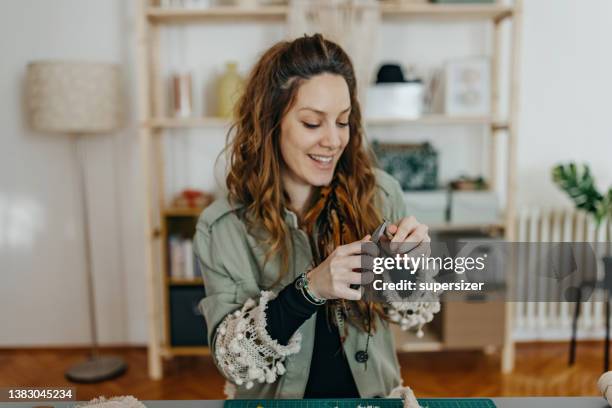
(315, 131)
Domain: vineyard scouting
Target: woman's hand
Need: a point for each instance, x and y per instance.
(409, 234)
(333, 277)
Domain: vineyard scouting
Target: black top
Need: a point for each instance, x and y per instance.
(330, 375)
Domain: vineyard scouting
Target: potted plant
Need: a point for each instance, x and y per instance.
(579, 184)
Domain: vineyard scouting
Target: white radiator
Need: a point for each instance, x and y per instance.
(553, 320)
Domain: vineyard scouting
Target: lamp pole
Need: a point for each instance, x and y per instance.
(96, 368)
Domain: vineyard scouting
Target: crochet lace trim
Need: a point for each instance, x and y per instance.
(246, 353)
(416, 310)
(244, 350)
(411, 315)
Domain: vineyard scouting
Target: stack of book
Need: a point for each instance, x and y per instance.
(183, 263)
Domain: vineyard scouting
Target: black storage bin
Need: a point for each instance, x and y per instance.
(187, 325)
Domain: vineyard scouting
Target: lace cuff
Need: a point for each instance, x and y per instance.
(413, 314)
(415, 310)
(244, 350)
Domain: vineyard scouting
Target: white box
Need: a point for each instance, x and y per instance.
(394, 101)
(474, 207)
(429, 207)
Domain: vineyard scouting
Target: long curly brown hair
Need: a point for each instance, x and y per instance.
(255, 162)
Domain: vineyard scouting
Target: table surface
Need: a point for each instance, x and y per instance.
(525, 402)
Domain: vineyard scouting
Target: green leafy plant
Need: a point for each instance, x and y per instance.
(579, 184)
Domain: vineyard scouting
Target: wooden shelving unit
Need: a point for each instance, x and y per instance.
(154, 124)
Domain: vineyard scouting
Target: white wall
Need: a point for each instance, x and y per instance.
(566, 88)
(42, 286)
(564, 105)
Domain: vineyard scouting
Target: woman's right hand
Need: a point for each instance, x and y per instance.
(333, 277)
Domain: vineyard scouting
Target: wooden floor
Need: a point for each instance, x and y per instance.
(541, 370)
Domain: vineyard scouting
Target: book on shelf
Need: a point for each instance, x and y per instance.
(183, 263)
(175, 257)
(187, 247)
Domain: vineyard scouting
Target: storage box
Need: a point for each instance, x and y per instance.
(473, 324)
(415, 166)
(474, 207)
(187, 325)
(429, 207)
(394, 101)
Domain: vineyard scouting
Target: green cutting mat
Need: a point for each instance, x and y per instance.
(361, 403)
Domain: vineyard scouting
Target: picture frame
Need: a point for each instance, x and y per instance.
(468, 87)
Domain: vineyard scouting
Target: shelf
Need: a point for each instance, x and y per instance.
(182, 212)
(444, 227)
(438, 120)
(186, 123)
(495, 12)
(458, 227)
(185, 282)
(180, 15)
(434, 120)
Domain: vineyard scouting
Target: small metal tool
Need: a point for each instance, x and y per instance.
(381, 231)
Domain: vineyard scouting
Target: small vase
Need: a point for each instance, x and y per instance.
(230, 88)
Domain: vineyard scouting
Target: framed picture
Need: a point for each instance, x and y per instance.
(468, 87)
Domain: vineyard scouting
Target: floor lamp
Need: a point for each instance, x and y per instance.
(79, 99)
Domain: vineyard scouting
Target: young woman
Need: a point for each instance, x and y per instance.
(278, 255)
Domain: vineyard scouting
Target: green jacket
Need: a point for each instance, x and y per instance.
(231, 261)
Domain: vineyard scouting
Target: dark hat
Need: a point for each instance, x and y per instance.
(393, 73)
(390, 73)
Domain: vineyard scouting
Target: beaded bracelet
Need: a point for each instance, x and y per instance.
(301, 284)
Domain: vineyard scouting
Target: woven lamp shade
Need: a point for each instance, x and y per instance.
(74, 97)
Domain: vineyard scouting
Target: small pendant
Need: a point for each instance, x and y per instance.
(361, 356)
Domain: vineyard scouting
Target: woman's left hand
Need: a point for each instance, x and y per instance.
(411, 233)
